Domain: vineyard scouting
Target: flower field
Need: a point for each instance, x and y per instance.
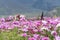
(22, 28)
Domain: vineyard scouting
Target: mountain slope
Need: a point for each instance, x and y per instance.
(46, 4)
(15, 6)
(8, 7)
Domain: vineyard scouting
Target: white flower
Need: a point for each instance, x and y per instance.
(58, 25)
(44, 22)
(23, 16)
(54, 33)
(25, 26)
(44, 28)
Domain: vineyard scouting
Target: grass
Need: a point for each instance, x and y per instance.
(11, 35)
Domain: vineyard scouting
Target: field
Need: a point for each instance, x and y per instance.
(21, 28)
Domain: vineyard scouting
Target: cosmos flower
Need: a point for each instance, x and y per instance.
(57, 37)
(44, 28)
(44, 22)
(24, 29)
(54, 33)
(58, 25)
(33, 29)
(24, 35)
(31, 38)
(23, 16)
(10, 17)
(45, 38)
(2, 19)
(36, 36)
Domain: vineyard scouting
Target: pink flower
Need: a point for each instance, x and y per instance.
(57, 37)
(36, 36)
(24, 35)
(10, 17)
(11, 26)
(16, 22)
(31, 38)
(38, 23)
(35, 30)
(2, 20)
(45, 38)
(53, 22)
(24, 29)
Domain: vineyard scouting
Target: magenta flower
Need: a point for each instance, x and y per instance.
(53, 22)
(24, 34)
(35, 30)
(37, 23)
(37, 36)
(16, 22)
(31, 38)
(2, 19)
(45, 38)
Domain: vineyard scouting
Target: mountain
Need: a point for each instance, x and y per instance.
(11, 7)
(15, 6)
(46, 4)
